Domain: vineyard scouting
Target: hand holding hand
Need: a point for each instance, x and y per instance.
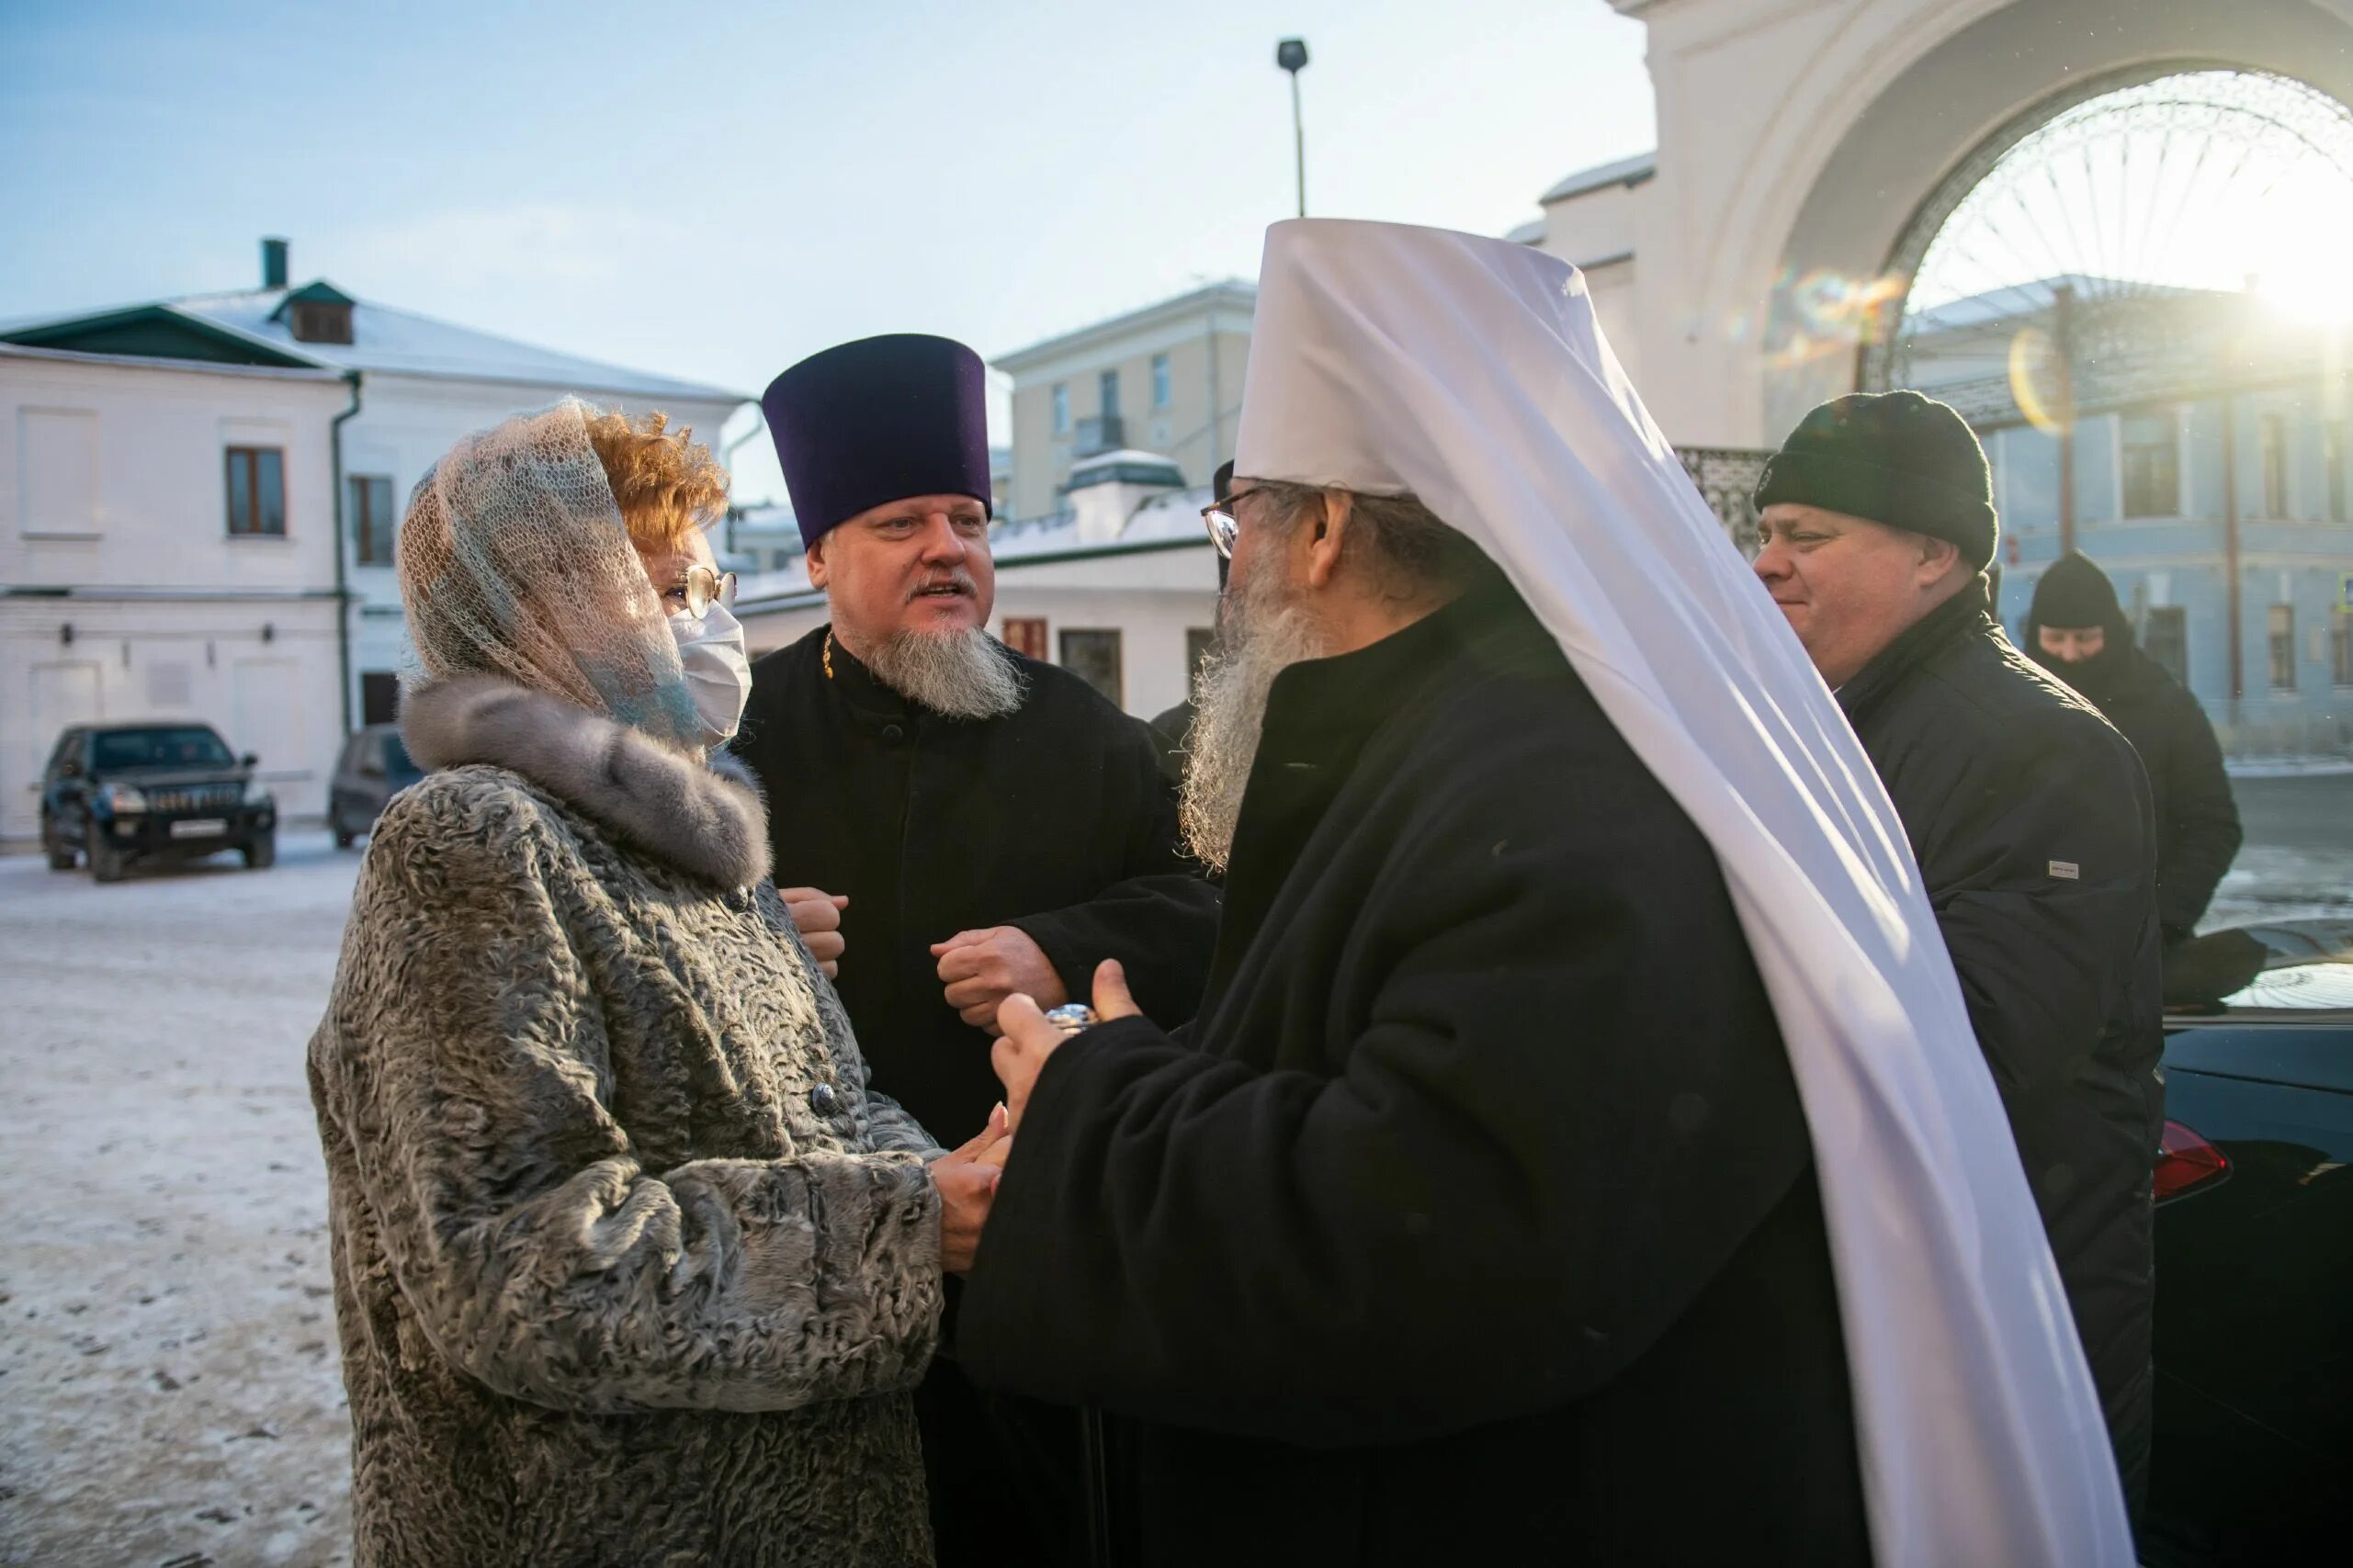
(982, 968)
(1027, 1040)
(818, 917)
(967, 1179)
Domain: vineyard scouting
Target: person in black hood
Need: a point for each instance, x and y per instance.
(2077, 631)
(2030, 820)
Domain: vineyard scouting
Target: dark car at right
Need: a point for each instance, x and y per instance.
(373, 768)
(2252, 1453)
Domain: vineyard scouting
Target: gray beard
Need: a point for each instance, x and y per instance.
(1261, 635)
(964, 674)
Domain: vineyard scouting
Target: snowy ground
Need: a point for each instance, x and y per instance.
(169, 1392)
(2296, 863)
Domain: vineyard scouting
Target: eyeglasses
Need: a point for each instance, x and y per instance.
(703, 587)
(1224, 527)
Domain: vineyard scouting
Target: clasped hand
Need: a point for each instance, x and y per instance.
(967, 1177)
(982, 968)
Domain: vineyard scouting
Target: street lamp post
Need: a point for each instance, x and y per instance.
(1292, 55)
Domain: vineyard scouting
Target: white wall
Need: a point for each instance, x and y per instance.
(1796, 138)
(114, 534)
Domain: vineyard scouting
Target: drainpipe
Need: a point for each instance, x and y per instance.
(2063, 308)
(342, 580)
(727, 459)
(2231, 552)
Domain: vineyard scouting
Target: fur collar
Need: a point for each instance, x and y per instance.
(708, 821)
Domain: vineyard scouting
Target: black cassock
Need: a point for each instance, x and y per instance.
(1475, 1220)
(1057, 820)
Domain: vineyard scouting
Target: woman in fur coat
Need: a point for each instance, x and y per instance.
(631, 1267)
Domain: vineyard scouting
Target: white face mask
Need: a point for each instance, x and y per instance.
(718, 675)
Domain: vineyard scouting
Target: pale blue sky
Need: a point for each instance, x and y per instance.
(714, 191)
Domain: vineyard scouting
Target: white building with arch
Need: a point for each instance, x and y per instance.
(1808, 151)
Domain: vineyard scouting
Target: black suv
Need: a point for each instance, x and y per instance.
(125, 793)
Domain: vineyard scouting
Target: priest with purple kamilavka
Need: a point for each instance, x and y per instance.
(992, 823)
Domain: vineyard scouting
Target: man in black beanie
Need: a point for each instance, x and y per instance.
(2077, 630)
(2031, 818)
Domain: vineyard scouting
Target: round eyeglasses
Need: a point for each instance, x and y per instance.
(1224, 527)
(704, 587)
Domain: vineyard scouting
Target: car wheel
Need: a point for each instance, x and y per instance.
(105, 862)
(60, 857)
(343, 836)
(262, 853)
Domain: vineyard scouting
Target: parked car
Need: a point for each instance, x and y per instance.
(374, 767)
(2253, 1457)
(120, 795)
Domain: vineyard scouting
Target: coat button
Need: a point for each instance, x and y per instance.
(893, 734)
(823, 1100)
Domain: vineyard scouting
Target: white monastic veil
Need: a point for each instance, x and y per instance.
(1471, 372)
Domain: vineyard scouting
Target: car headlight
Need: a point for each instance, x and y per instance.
(256, 793)
(121, 800)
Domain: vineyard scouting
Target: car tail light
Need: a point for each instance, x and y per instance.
(2187, 1162)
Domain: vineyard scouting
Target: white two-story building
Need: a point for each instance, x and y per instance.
(198, 500)
(167, 550)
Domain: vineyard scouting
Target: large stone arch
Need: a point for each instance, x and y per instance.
(1975, 78)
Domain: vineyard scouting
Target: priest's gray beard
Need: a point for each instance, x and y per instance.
(964, 674)
(1262, 633)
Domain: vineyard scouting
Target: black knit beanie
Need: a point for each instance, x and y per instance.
(1894, 458)
(2072, 594)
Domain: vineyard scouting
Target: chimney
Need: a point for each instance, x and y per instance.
(273, 263)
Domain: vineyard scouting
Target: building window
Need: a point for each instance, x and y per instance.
(380, 696)
(2273, 435)
(2164, 637)
(2283, 648)
(56, 452)
(2340, 642)
(1161, 389)
(1061, 408)
(1026, 636)
(1198, 641)
(372, 522)
(257, 491)
(2152, 465)
(1111, 394)
(1093, 657)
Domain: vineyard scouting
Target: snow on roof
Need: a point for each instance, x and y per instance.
(401, 343)
(2034, 297)
(1170, 519)
(1624, 172)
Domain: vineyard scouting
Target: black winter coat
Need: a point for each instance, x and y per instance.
(2029, 817)
(1055, 818)
(1476, 1221)
(2196, 818)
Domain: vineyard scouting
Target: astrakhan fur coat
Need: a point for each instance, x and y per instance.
(631, 1267)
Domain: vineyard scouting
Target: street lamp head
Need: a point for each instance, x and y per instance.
(1291, 54)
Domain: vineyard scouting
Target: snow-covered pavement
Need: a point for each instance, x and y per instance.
(169, 1390)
